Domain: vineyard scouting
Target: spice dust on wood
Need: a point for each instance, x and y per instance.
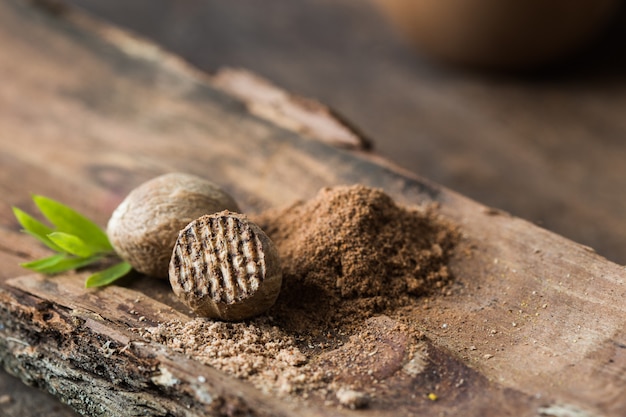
(351, 258)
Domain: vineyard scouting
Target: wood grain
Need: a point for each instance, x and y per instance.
(546, 146)
(534, 324)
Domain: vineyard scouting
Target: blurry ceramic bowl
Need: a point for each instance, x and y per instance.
(500, 34)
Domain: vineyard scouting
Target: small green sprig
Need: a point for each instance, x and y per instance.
(77, 241)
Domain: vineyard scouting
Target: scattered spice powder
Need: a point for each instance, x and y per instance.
(348, 255)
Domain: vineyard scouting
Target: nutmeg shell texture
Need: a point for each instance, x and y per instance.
(225, 267)
(144, 227)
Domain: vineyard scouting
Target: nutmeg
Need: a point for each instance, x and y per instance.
(224, 266)
(144, 227)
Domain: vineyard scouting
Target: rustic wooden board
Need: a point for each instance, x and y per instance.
(547, 147)
(534, 325)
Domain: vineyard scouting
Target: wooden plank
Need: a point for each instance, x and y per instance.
(547, 146)
(300, 114)
(534, 323)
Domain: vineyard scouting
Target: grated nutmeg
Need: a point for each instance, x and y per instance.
(224, 266)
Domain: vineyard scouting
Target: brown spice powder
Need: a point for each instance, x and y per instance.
(351, 253)
(348, 255)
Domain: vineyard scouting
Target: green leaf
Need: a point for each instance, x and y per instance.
(44, 263)
(77, 240)
(72, 244)
(109, 275)
(35, 228)
(69, 221)
(67, 263)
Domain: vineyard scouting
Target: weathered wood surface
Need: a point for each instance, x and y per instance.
(535, 324)
(19, 400)
(546, 147)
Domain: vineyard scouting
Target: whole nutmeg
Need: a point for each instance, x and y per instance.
(225, 267)
(144, 227)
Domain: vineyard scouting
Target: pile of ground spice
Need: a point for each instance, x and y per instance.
(351, 253)
(347, 255)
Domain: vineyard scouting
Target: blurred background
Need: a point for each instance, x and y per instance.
(547, 143)
(519, 106)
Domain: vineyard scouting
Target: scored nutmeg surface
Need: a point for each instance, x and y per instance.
(144, 227)
(224, 266)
